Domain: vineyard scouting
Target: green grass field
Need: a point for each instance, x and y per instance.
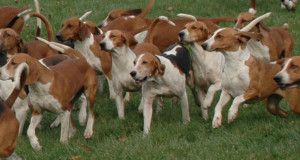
(255, 134)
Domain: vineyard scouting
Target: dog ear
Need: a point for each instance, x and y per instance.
(244, 37)
(130, 41)
(280, 61)
(20, 44)
(132, 12)
(83, 31)
(33, 75)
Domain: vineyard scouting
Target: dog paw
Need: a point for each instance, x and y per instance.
(88, 134)
(205, 114)
(231, 117)
(36, 146)
(217, 122)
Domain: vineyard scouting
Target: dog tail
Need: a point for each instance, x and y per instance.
(45, 21)
(19, 81)
(153, 25)
(252, 8)
(188, 16)
(285, 26)
(72, 53)
(38, 21)
(147, 9)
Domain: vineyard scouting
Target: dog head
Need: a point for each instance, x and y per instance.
(93, 28)
(194, 32)
(116, 13)
(228, 39)
(117, 39)
(289, 76)
(73, 29)
(10, 41)
(146, 66)
(13, 65)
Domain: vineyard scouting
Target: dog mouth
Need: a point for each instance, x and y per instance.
(139, 81)
(286, 86)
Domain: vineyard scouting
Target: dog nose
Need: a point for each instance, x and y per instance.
(204, 46)
(180, 35)
(59, 37)
(102, 45)
(133, 73)
(277, 79)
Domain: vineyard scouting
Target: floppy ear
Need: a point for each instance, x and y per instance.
(130, 41)
(244, 37)
(83, 31)
(33, 75)
(280, 61)
(20, 43)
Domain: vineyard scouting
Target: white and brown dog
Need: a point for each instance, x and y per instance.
(276, 42)
(9, 125)
(289, 76)
(163, 75)
(244, 77)
(88, 45)
(206, 66)
(54, 89)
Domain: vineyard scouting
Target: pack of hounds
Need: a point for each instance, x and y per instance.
(247, 63)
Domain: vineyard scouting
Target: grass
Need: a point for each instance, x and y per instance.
(256, 134)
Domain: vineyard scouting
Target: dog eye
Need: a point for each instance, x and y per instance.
(244, 21)
(13, 63)
(293, 66)
(6, 35)
(194, 27)
(144, 62)
(110, 18)
(69, 26)
(219, 36)
(134, 62)
(112, 36)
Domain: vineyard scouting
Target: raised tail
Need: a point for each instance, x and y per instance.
(252, 8)
(19, 81)
(147, 9)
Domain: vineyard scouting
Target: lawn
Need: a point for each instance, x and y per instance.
(255, 134)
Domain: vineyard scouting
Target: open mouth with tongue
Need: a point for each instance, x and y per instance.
(139, 81)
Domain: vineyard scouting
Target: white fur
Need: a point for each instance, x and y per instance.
(84, 48)
(122, 63)
(235, 81)
(140, 37)
(285, 78)
(207, 67)
(172, 83)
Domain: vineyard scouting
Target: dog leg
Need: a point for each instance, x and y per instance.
(234, 108)
(21, 108)
(100, 83)
(141, 106)
(120, 105)
(14, 156)
(127, 96)
(159, 104)
(112, 93)
(36, 118)
(272, 105)
(147, 112)
(55, 123)
(185, 108)
(65, 124)
(72, 129)
(210, 94)
(202, 96)
(224, 98)
(88, 133)
(82, 111)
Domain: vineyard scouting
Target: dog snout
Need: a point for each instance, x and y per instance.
(103, 46)
(277, 79)
(59, 37)
(133, 74)
(181, 35)
(204, 46)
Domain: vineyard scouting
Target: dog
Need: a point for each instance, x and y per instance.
(206, 66)
(276, 43)
(290, 5)
(244, 77)
(131, 23)
(289, 76)
(9, 125)
(163, 75)
(45, 91)
(116, 13)
(121, 45)
(88, 44)
(12, 17)
(163, 34)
